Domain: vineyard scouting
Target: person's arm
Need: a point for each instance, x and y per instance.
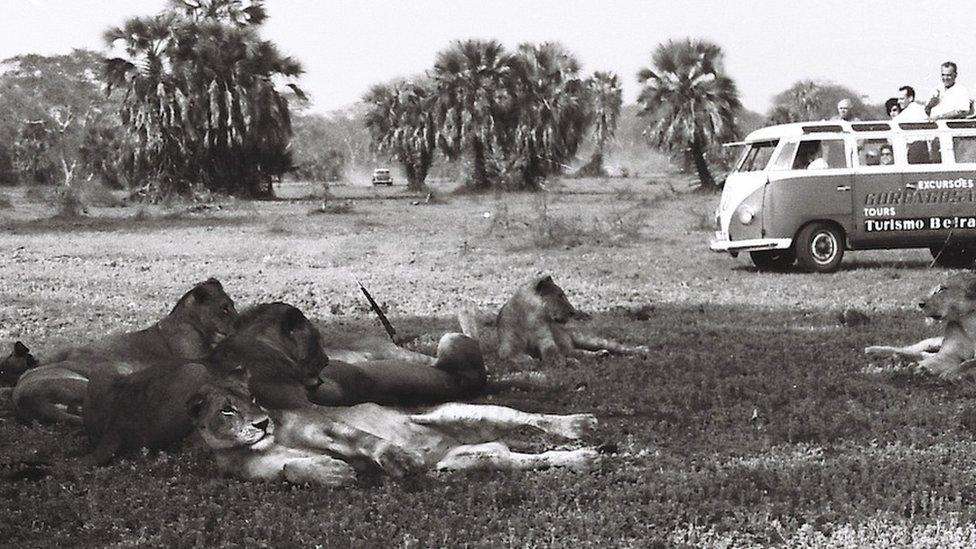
(933, 101)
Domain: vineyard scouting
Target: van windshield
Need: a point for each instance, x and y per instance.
(755, 156)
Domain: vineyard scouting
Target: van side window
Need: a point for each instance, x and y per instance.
(757, 156)
(876, 151)
(784, 159)
(964, 147)
(820, 154)
(924, 150)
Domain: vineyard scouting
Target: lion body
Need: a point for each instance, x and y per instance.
(534, 321)
(954, 303)
(302, 444)
(55, 390)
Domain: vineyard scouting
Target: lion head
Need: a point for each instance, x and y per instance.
(227, 417)
(276, 343)
(16, 363)
(554, 300)
(208, 309)
(953, 300)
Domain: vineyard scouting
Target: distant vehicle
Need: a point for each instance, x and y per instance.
(381, 176)
(808, 191)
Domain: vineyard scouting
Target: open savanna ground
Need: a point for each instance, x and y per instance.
(753, 421)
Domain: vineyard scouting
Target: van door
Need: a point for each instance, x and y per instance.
(877, 185)
(817, 187)
(938, 190)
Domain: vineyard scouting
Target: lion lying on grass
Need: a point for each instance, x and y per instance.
(55, 390)
(302, 445)
(534, 322)
(954, 303)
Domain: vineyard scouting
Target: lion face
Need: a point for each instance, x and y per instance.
(16, 363)
(209, 309)
(953, 300)
(554, 300)
(295, 341)
(227, 417)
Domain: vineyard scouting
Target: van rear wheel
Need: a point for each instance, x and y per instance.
(819, 248)
(773, 260)
(958, 255)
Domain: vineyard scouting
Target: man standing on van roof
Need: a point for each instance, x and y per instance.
(950, 100)
(844, 110)
(910, 110)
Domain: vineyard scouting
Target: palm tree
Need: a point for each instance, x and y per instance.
(400, 120)
(200, 100)
(607, 94)
(691, 97)
(471, 79)
(551, 112)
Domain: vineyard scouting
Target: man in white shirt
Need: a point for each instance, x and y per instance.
(950, 100)
(910, 110)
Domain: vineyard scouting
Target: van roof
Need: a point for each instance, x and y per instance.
(842, 126)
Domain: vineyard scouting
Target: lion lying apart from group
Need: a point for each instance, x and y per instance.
(954, 353)
(149, 389)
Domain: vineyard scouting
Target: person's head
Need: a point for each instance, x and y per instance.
(887, 155)
(892, 107)
(906, 96)
(844, 109)
(949, 73)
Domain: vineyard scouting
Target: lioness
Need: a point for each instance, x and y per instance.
(16, 363)
(251, 443)
(55, 390)
(534, 323)
(953, 302)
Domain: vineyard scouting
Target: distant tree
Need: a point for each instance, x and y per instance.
(401, 121)
(199, 98)
(472, 80)
(47, 105)
(607, 96)
(545, 119)
(812, 100)
(693, 100)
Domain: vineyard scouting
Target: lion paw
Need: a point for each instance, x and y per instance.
(323, 472)
(573, 426)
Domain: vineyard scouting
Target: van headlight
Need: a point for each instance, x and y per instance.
(746, 215)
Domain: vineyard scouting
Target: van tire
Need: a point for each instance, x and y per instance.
(773, 260)
(819, 248)
(957, 255)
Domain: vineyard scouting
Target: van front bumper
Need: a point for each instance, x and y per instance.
(721, 243)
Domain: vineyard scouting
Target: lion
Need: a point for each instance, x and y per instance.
(17, 362)
(534, 323)
(954, 303)
(301, 445)
(55, 390)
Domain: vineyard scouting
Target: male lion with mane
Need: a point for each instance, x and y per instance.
(954, 303)
(55, 390)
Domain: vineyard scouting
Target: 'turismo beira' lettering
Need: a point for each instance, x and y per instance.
(875, 225)
(954, 222)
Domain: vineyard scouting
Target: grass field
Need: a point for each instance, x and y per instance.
(753, 422)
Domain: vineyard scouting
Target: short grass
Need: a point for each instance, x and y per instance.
(752, 422)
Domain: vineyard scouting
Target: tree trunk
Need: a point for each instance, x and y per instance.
(704, 175)
(481, 182)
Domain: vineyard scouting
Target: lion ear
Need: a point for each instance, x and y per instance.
(20, 349)
(200, 293)
(544, 283)
(293, 319)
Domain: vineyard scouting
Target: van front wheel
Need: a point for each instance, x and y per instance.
(955, 255)
(819, 248)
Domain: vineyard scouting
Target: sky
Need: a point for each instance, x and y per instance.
(346, 46)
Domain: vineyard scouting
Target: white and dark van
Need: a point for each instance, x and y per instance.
(806, 192)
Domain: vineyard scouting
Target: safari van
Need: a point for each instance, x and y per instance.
(806, 192)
